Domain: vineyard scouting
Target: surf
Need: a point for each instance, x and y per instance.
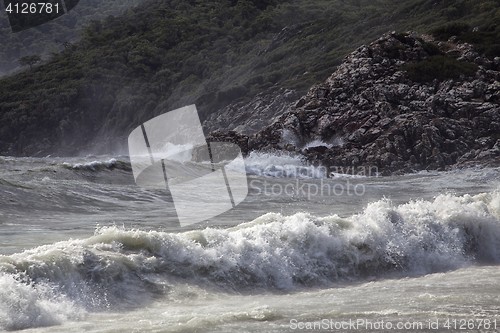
(120, 268)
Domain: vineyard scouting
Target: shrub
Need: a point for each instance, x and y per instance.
(393, 52)
(485, 39)
(431, 48)
(438, 67)
(452, 29)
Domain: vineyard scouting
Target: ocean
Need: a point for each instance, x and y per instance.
(84, 249)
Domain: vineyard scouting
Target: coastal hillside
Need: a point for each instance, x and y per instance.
(163, 54)
(401, 104)
(53, 36)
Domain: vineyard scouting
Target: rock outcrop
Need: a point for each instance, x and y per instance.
(369, 113)
(249, 118)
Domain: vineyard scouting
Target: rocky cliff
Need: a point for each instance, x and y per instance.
(370, 112)
(249, 118)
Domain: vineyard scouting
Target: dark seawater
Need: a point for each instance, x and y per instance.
(84, 249)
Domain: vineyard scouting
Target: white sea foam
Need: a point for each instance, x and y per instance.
(24, 305)
(91, 165)
(317, 143)
(280, 165)
(118, 267)
(179, 153)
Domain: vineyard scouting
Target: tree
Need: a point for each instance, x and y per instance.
(65, 44)
(30, 60)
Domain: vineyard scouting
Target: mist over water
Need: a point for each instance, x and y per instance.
(83, 245)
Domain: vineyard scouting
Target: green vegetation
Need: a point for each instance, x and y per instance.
(485, 38)
(453, 29)
(30, 60)
(49, 37)
(439, 67)
(163, 54)
(430, 48)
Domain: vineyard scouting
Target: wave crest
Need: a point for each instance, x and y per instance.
(120, 268)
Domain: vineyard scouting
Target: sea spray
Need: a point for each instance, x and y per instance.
(26, 304)
(281, 165)
(119, 268)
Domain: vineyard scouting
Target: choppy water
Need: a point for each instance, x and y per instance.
(84, 249)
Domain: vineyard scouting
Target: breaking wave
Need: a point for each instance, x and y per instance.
(118, 268)
(91, 165)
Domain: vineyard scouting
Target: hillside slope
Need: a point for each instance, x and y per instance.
(50, 37)
(164, 54)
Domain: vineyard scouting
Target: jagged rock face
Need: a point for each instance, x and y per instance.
(368, 113)
(249, 118)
